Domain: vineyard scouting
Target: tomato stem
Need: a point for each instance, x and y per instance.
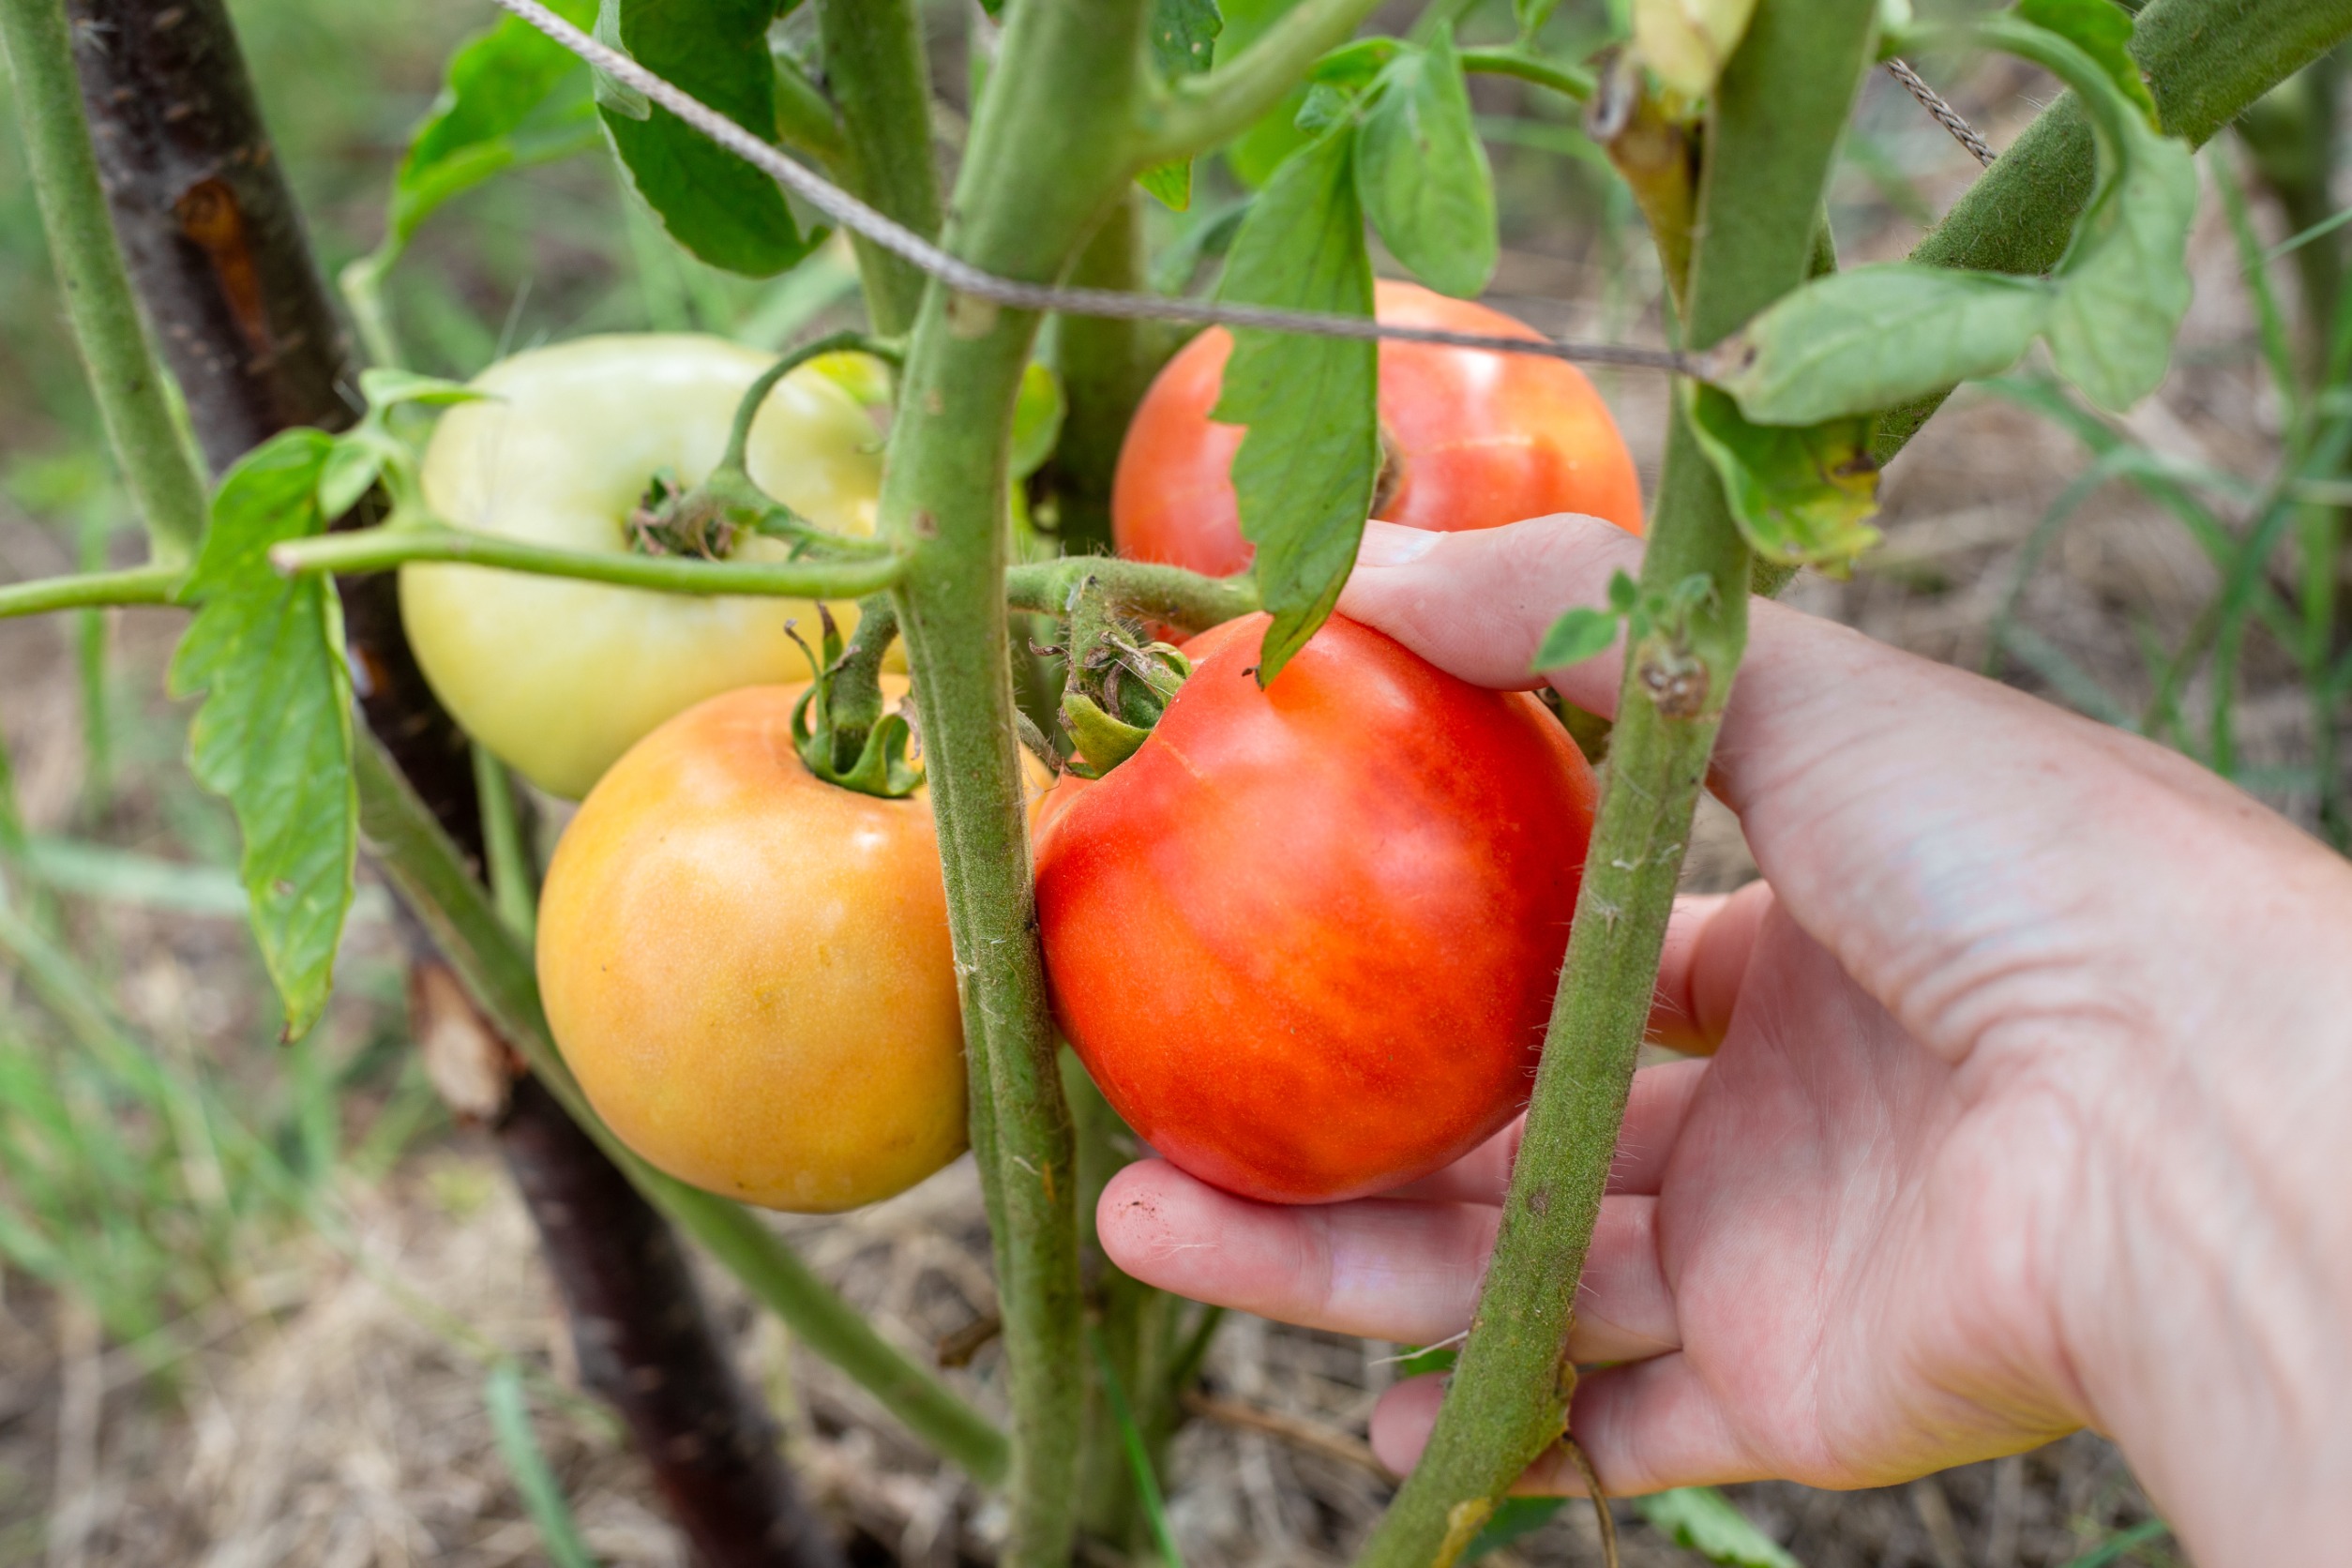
(135, 402)
(1169, 596)
(875, 71)
(867, 568)
(90, 590)
(1199, 113)
(1773, 129)
(748, 410)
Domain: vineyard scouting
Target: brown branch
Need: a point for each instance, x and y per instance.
(1298, 1433)
(215, 249)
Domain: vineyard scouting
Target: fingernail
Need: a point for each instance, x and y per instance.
(1386, 544)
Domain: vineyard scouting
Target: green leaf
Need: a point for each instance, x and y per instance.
(1801, 495)
(274, 734)
(1306, 469)
(1258, 152)
(1877, 336)
(1532, 15)
(2123, 286)
(1704, 1521)
(1513, 1517)
(1353, 66)
(1037, 413)
(1422, 172)
(2103, 30)
(1183, 38)
(713, 204)
(385, 387)
(499, 107)
(1576, 636)
(351, 465)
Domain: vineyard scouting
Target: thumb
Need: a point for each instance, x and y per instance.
(1477, 604)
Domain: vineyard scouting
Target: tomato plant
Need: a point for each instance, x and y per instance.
(748, 968)
(559, 677)
(1470, 439)
(1306, 938)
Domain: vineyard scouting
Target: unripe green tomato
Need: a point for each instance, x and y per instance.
(557, 676)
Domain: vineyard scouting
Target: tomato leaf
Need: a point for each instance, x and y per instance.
(2103, 30)
(1306, 469)
(1703, 1521)
(713, 204)
(1421, 174)
(1578, 635)
(1876, 336)
(1803, 495)
(2123, 286)
(1258, 152)
(1513, 1517)
(1532, 15)
(509, 98)
(385, 387)
(1037, 413)
(1184, 36)
(275, 733)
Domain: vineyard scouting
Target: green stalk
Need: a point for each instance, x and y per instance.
(90, 591)
(467, 927)
(2205, 60)
(377, 549)
(1573, 83)
(1169, 594)
(1106, 364)
(164, 480)
(1200, 113)
(874, 66)
(1053, 146)
(1772, 130)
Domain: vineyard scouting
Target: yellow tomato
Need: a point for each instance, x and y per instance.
(557, 676)
(748, 968)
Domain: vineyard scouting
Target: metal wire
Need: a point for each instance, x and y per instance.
(1946, 115)
(855, 216)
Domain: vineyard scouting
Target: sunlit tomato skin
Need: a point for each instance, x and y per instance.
(1477, 440)
(557, 676)
(748, 968)
(1305, 939)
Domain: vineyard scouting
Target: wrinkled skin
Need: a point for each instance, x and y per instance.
(748, 968)
(557, 676)
(1474, 439)
(2025, 1111)
(1305, 939)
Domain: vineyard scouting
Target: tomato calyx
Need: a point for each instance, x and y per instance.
(839, 729)
(1118, 683)
(710, 518)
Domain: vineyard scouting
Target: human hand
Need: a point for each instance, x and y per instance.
(2029, 1108)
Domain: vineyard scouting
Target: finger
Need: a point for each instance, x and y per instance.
(1379, 1269)
(1653, 1118)
(1707, 946)
(1646, 1427)
(1478, 604)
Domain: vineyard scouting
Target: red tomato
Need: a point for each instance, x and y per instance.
(1306, 938)
(1478, 440)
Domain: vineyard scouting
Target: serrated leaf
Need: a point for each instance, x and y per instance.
(713, 204)
(1576, 636)
(1304, 472)
(2123, 287)
(1703, 1521)
(1422, 172)
(275, 733)
(1801, 495)
(1877, 336)
(489, 117)
(1352, 66)
(1037, 413)
(2103, 30)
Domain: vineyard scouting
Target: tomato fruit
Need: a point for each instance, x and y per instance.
(748, 968)
(1305, 939)
(1473, 439)
(558, 676)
